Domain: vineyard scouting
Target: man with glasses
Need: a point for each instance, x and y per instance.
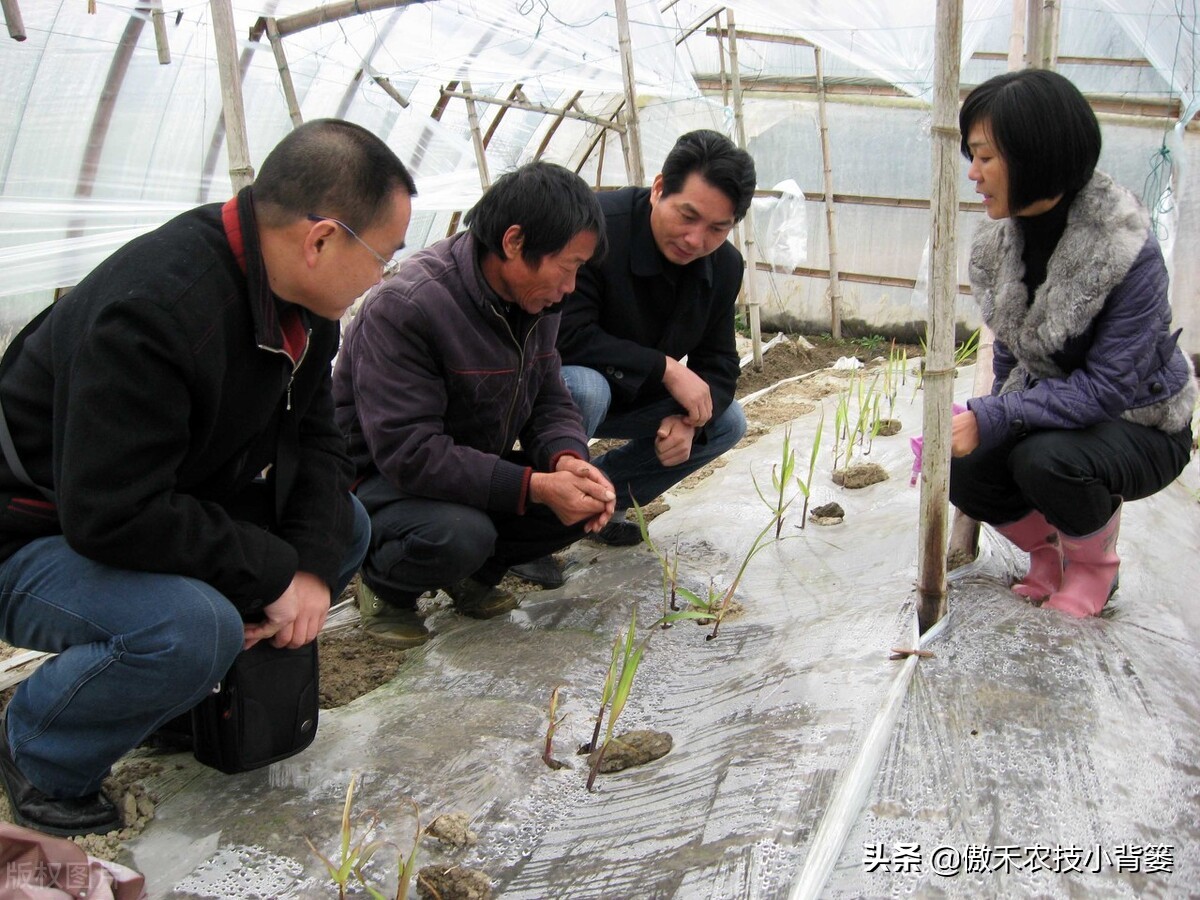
(444, 369)
(173, 484)
(665, 291)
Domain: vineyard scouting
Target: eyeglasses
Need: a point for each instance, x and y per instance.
(388, 267)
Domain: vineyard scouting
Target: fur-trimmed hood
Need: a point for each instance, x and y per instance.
(1097, 332)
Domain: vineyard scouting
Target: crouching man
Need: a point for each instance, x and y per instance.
(446, 367)
(173, 485)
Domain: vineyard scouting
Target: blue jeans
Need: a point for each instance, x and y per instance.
(135, 649)
(633, 468)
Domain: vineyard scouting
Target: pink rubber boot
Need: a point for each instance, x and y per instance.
(1091, 571)
(1039, 539)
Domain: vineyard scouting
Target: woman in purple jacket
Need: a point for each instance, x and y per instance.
(1092, 399)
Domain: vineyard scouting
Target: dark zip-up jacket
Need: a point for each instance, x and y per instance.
(152, 395)
(633, 309)
(435, 381)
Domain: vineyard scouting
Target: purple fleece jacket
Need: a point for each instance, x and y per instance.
(434, 384)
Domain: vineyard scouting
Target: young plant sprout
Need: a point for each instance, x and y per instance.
(551, 726)
(606, 692)
(628, 652)
(805, 485)
(966, 349)
(722, 608)
(781, 476)
(408, 864)
(353, 855)
(668, 563)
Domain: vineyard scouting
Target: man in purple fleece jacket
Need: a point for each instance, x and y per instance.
(448, 365)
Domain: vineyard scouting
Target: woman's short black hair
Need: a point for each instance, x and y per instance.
(549, 203)
(717, 160)
(1042, 126)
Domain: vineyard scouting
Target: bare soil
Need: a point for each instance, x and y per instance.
(353, 664)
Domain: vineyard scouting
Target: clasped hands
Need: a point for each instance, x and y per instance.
(576, 491)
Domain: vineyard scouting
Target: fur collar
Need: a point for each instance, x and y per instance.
(1106, 230)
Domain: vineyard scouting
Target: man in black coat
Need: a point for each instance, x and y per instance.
(173, 486)
(665, 291)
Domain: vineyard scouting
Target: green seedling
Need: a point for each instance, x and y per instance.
(760, 541)
(668, 563)
(554, 720)
(627, 652)
(964, 351)
(805, 485)
(841, 417)
(408, 864)
(781, 476)
(606, 691)
(353, 854)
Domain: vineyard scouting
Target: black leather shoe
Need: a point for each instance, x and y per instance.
(546, 571)
(93, 814)
(619, 534)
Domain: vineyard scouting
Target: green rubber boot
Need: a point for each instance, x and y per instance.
(392, 625)
(480, 601)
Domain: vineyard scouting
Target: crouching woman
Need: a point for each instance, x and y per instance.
(1092, 399)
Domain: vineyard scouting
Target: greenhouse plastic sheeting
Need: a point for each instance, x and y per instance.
(806, 761)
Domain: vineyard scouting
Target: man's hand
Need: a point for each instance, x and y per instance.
(575, 491)
(964, 433)
(673, 440)
(690, 391)
(296, 617)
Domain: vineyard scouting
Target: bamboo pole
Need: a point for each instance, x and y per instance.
(285, 73)
(241, 173)
(514, 103)
(1033, 34)
(943, 280)
(476, 138)
(749, 245)
(631, 140)
(332, 12)
(1016, 37)
(388, 88)
(155, 10)
(12, 18)
(554, 125)
(1051, 17)
(964, 531)
(835, 286)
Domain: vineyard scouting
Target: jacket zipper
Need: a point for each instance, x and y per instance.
(295, 364)
(506, 443)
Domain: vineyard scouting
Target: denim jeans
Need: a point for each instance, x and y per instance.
(633, 468)
(135, 649)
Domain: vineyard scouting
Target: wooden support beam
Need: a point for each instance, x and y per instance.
(449, 93)
(835, 287)
(285, 73)
(12, 18)
(558, 120)
(943, 276)
(154, 9)
(476, 138)
(713, 13)
(895, 281)
(631, 140)
(749, 243)
(332, 12)
(241, 172)
(763, 36)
